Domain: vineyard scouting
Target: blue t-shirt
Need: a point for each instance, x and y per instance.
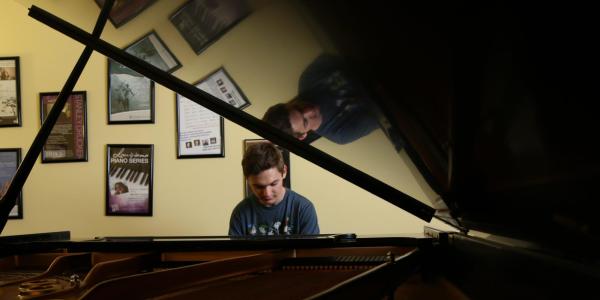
(342, 100)
(293, 215)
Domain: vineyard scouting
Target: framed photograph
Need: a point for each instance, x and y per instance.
(68, 140)
(125, 10)
(220, 85)
(10, 92)
(286, 158)
(153, 50)
(130, 96)
(199, 130)
(10, 158)
(129, 180)
(202, 22)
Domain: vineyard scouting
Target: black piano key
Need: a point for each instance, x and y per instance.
(137, 176)
(147, 179)
(130, 175)
(113, 171)
(124, 173)
(120, 173)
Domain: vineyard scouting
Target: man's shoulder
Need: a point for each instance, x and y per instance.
(244, 204)
(299, 199)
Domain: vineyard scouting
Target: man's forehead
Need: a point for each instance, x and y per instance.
(265, 177)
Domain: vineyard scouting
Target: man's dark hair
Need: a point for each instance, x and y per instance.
(278, 116)
(260, 157)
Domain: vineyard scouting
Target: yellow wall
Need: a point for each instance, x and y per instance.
(264, 54)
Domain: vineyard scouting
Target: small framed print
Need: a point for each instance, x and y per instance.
(222, 86)
(202, 22)
(286, 158)
(199, 130)
(10, 158)
(130, 96)
(10, 92)
(125, 10)
(129, 180)
(152, 50)
(68, 140)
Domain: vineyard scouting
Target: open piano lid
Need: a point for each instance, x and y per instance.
(492, 102)
(488, 100)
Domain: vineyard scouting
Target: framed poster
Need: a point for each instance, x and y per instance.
(153, 50)
(10, 158)
(10, 92)
(199, 130)
(287, 182)
(220, 85)
(129, 180)
(130, 96)
(125, 10)
(68, 140)
(202, 22)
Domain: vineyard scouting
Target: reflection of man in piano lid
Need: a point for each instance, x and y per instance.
(271, 209)
(331, 103)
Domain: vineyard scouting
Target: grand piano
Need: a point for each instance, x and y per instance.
(491, 101)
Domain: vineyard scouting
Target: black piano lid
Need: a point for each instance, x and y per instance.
(490, 101)
(494, 103)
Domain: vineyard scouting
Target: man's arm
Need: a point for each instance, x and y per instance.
(308, 220)
(236, 224)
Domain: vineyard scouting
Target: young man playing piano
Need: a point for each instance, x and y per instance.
(271, 209)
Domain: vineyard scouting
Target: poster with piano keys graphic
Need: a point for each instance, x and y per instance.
(10, 158)
(129, 182)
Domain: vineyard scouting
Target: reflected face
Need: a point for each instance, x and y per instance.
(268, 186)
(305, 119)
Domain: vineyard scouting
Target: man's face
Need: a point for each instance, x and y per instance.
(268, 186)
(304, 119)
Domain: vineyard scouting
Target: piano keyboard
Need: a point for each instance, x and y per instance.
(130, 176)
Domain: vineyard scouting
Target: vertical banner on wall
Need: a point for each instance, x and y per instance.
(130, 180)
(68, 140)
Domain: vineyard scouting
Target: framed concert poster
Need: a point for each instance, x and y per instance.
(129, 180)
(199, 130)
(10, 158)
(68, 139)
(10, 92)
(130, 96)
(125, 10)
(202, 22)
(220, 85)
(153, 50)
(287, 182)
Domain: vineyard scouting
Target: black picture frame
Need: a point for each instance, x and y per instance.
(287, 182)
(220, 84)
(130, 96)
(10, 92)
(124, 11)
(200, 131)
(151, 48)
(10, 159)
(202, 22)
(129, 179)
(68, 140)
